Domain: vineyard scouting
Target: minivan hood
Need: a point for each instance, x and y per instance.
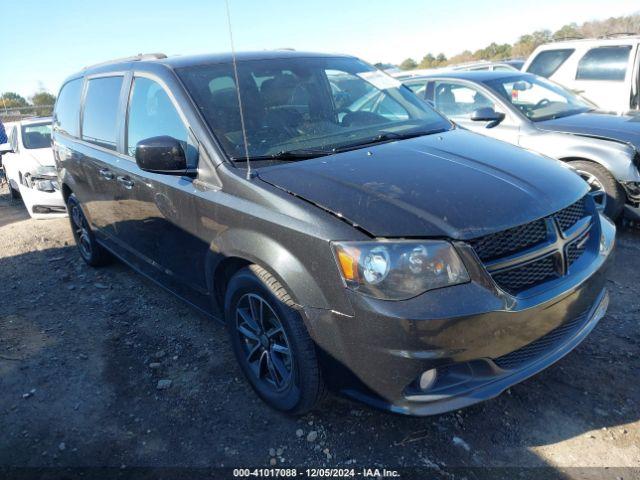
(623, 128)
(456, 184)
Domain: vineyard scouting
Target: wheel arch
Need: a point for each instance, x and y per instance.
(235, 249)
(66, 191)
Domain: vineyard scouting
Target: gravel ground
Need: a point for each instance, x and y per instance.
(83, 353)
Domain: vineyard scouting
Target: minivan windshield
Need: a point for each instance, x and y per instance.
(303, 107)
(539, 99)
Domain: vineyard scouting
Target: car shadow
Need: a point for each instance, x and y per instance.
(11, 210)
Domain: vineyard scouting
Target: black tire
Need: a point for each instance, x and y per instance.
(15, 194)
(90, 250)
(301, 387)
(615, 194)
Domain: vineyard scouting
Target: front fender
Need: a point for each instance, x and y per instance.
(277, 259)
(617, 157)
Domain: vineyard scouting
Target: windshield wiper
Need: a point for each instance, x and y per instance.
(299, 154)
(386, 137)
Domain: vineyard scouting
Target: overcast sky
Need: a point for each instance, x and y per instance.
(44, 41)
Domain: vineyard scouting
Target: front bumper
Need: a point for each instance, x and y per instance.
(41, 204)
(480, 339)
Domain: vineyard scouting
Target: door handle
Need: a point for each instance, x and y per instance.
(106, 174)
(126, 182)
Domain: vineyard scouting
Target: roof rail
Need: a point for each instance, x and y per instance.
(568, 37)
(620, 34)
(134, 58)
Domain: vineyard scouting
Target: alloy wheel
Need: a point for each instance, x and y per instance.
(597, 189)
(264, 342)
(81, 231)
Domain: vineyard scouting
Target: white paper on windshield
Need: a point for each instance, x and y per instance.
(380, 80)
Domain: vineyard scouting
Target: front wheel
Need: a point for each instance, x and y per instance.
(271, 343)
(601, 181)
(90, 250)
(15, 194)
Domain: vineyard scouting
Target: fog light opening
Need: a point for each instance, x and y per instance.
(427, 379)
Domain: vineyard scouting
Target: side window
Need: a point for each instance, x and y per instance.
(419, 88)
(100, 115)
(151, 114)
(67, 110)
(455, 100)
(604, 63)
(548, 61)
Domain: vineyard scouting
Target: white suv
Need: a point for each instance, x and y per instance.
(30, 168)
(605, 71)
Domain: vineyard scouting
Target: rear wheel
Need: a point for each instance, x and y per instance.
(600, 180)
(271, 342)
(90, 250)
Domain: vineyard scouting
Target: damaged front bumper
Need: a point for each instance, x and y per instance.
(479, 340)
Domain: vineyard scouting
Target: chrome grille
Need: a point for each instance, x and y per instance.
(531, 254)
(543, 345)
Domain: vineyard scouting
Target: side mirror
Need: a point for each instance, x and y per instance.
(5, 148)
(162, 154)
(487, 114)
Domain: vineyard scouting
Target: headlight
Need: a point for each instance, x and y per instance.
(44, 185)
(43, 178)
(399, 270)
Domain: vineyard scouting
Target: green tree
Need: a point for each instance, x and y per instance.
(408, 64)
(528, 43)
(43, 98)
(463, 57)
(441, 59)
(567, 31)
(12, 100)
(428, 61)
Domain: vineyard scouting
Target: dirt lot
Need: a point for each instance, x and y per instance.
(77, 389)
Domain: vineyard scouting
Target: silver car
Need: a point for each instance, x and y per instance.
(540, 115)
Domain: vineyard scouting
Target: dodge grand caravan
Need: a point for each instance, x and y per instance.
(349, 240)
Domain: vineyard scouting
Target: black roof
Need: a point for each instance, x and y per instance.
(189, 60)
(178, 61)
(478, 76)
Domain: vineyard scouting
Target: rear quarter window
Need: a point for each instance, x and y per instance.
(100, 114)
(66, 115)
(604, 63)
(547, 62)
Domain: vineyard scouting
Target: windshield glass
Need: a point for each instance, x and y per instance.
(299, 104)
(539, 99)
(36, 136)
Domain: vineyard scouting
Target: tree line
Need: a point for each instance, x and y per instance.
(526, 44)
(15, 105)
(15, 100)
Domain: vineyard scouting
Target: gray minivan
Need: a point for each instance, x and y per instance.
(347, 234)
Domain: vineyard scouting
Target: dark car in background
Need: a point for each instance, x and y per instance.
(347, 234)
(540, 115)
